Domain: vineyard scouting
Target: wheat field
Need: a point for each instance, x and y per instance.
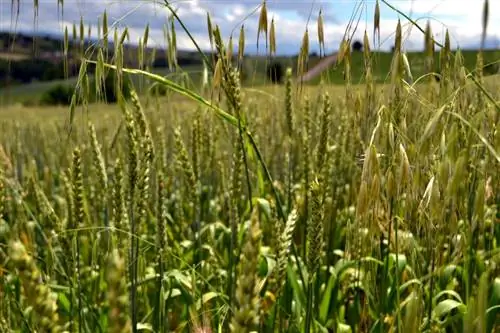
(353, 208)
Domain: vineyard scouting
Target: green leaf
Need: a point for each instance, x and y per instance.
(326, 300)
(344, 328)
(144, 327)
(265, 206)
(451, 293)
(64, 301)
(298, 294)
(445, 309)
(206, 298)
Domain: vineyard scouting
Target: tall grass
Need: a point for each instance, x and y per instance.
(372, 209)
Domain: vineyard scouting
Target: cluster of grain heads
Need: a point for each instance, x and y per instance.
(246, 310)
(35, 291)
(265, 221)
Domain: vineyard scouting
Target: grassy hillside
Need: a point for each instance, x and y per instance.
(382, 65)
(191, 62)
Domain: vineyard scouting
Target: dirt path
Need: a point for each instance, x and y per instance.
(319, 68)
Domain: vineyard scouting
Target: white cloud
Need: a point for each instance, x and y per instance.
(461, 17)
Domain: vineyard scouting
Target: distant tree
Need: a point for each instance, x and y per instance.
(357, 46)
(275, 72)
(110, 88)
(491, 69)
(60, 94)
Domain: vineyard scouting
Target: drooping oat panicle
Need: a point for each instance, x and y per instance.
(210, 30)
(105, 30)
(321, 34)
(222, 55)
(376, 22)
(246, 317)
(370, 98)
(348, 76)
(485, 18)
(445, 67)
(272, 38)
(303, 58)
(65, 51)
(404, 169)
(229, 49)
(217, 78)
(119, 320)
(82, 36)
(262, 27)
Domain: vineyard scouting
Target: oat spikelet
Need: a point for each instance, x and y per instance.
(321, 34)
(210, 31)
(229, 50)
(486, 14)
(262, 23)
(376, 22)
(303, 55)
(272, 38)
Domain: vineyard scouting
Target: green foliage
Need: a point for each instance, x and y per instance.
(60, 94)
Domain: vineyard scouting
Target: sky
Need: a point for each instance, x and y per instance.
(462, 18)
